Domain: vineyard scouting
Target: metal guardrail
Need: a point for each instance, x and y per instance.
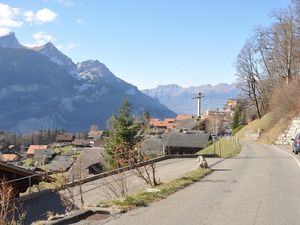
(88, 179)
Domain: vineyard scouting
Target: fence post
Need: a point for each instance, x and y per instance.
(220, 149)
(214, 148)
(29, 184)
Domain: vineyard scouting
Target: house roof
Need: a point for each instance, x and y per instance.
(152, 144)
(190, 139)
(43, 153)
(170, 120)
(81, 142)
(95, 134)
(61, 162)
(184, 117)
(87, 157)
(32, 148)
(186, 124)
(9, 157)
(167, 123)
(67, 137)
(7, 170)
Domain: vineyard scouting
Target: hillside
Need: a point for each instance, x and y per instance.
(39, 90)
(270, 128)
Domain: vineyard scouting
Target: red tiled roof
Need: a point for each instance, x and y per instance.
(167, 123)
(184, 116)
(32, 148)
(9, 157)
(170, 120)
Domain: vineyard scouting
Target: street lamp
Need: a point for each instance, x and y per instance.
(199, 97)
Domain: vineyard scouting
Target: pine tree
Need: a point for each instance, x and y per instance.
(236, 117)
(121, 138)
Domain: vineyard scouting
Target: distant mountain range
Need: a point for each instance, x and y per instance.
(180, 99)
(42, 88)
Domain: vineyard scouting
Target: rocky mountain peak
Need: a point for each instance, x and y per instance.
(49, 50)
(93, 69)
(9, 41)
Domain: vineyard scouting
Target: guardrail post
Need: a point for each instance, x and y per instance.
(29, 184)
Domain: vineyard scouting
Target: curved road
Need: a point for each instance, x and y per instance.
(259, 187)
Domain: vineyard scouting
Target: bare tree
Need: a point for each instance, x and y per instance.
(250, 77)
(215, 122)
(284, 36)
(11, 212)
(145, 168)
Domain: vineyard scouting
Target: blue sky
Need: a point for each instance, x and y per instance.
(146, 43)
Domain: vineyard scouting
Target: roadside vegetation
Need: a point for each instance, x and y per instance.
(268, 74)
(271, 129)
(161, 191)
(222, 148)
(27, 162)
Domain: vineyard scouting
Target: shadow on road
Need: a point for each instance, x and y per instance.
(213, 181)
(37, 209)
(262, 157)
(221, 170)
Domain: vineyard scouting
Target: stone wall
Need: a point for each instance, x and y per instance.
(288, 134)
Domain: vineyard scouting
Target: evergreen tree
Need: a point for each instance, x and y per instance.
(236, 117)
(121, 138)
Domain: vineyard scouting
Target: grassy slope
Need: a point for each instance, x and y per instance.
(271, 128)
(229, 148)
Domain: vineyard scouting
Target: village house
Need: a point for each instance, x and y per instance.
(32, 148)
(42, 156)
(64, 139)
(95, 135)
(88, 163)
(184, 117)
(188, 124)
(214, 113)
(162, 124)
(81, 143)
(230, 104)
(11, 172)
(61, 163)
(9, 157)
(187, 142)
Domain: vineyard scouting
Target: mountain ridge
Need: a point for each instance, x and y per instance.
(180, 99)
(39, 91)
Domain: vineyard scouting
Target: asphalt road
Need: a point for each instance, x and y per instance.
(259, 187)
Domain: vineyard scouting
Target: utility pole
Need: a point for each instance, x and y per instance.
(199, 97)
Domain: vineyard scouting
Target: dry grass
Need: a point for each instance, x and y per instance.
(164, 190)
(271, 125)
(264, 123)
(271, 135)
(285, 100)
